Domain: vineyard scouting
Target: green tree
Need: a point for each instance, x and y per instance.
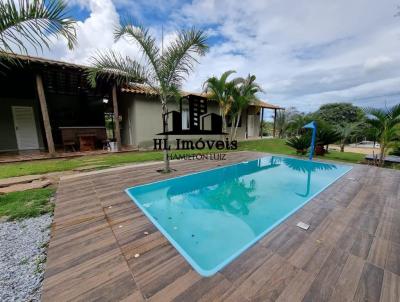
(220, 90)
(285, 122)
(243, 94)
(345, 131)
(33, 24)
(164, 72)
(339, 113)
(386, 122)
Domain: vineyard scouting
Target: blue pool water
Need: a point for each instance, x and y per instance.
(211, 217)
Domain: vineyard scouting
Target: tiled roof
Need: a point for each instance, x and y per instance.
(133, 88)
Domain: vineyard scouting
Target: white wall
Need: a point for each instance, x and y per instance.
(141, 120)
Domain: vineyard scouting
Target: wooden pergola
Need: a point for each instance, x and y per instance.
(51, 76)
(264, 105)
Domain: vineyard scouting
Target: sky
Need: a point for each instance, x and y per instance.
(304, 53)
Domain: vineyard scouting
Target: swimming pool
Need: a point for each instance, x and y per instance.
(211, 217)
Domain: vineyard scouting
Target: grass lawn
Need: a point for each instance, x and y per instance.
(30, 203)
(65, 164)
(276, 146)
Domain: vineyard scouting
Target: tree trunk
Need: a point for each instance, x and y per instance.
(382, 155)
(233, 122)
(221, 112)
(342, 148)
(165, 129)
(237, 123)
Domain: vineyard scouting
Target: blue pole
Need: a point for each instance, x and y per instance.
(314, 134)
(312, 126)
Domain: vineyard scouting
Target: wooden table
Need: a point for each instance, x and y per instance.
(87, 142)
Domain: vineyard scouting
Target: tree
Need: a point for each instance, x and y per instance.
(326, 135)
(220, 90)
(163, 72)
(386, 122)
(296, 123)
(339, 113)
(345, 131)
(243, 93)
(284, 120)
(33, 23)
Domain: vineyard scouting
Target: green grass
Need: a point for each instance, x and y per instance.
(30, 203)
(278, 146)
(66, 164)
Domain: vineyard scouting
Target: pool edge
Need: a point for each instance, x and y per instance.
(195, 266)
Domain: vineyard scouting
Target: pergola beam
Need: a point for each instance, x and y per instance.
(261, 122)
(274, 122)
(45, 115)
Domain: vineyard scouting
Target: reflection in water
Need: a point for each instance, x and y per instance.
(228, 192)
(307, 167)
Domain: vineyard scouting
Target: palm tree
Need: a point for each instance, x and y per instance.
(386, 122)
(282, 122)
(33, 24)
(243, 94)
(163, 71)
(220, 90)
(345, 131)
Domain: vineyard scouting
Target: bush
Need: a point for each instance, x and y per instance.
(300, 143)
(396, 150)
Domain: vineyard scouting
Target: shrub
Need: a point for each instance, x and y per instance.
(300, 143)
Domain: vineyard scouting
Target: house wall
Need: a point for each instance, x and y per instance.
(141, 120)
(8, 139)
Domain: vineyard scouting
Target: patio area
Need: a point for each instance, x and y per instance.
(350, 253)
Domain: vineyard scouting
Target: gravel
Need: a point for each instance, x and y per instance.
(23, 247)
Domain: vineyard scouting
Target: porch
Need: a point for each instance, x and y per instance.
(49, 106)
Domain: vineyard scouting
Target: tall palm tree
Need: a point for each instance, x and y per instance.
(386, 122)
(282, 122)
(220, 90)
(163, 71)
(33, 23)
(243, 94)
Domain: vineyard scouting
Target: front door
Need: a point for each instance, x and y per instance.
(25, 128)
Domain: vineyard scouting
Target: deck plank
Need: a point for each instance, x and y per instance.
(351, 250)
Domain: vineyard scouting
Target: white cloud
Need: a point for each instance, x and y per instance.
(303, 53)
(306, 52)
(376, 62)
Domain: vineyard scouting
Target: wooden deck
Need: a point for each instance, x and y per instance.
(350, 253)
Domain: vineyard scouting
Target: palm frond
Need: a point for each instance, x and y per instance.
(113, 66)
(142, 37)
(226, 74)
(34, 23)
(179, 59)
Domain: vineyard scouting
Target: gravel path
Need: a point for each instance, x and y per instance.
(22, 258)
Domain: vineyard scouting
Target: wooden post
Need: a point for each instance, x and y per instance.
(274, 122)
(45, 115)
(116, 118)
(247, 123)
(261, 122)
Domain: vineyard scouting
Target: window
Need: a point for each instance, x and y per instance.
(185, 119)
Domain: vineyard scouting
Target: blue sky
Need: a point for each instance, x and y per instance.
(304, 53)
